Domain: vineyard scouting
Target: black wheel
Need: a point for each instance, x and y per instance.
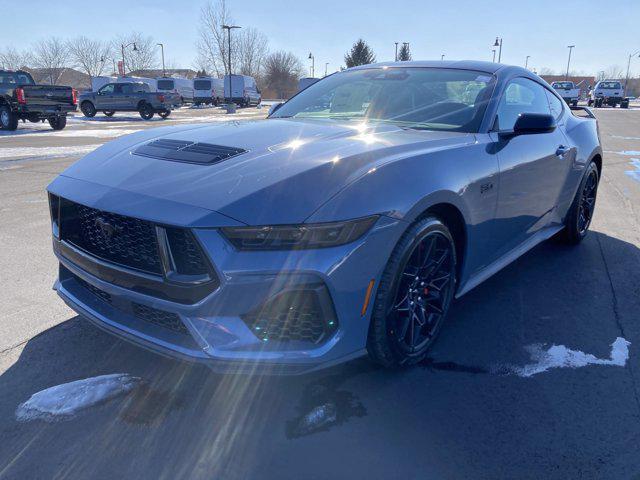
(165, 113)
(109, 113)
(589, 102)
(146, 111)
(88, 109)
(58, 123)
(414, 295)
(624, 104)
(574, 103)
(8, 119)
(581, 211)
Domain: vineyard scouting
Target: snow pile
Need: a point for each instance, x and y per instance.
(63, 401)
(635, 174)
(559, 356)
(12, 153)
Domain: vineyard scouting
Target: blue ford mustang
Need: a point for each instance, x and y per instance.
(343, 224)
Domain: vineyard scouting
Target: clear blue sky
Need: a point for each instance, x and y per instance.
(459, 29)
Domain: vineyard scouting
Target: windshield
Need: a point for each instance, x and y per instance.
(15, 78)
(202, 84)
(165, 85)
(424, 98)
(565, 85)
(607, 85)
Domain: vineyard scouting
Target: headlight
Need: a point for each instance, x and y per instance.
(319, 235)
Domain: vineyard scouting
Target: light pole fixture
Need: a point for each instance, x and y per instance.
(161, 45)
(396, 51)
(570, 47)
(313, 65)
(123, 46)
(326, 66)
(629, 66)
(229, 27)
(526, 62)
(498, 43)
(442, 57)
(494, 55)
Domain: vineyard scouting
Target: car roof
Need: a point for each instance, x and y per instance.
(488, 67)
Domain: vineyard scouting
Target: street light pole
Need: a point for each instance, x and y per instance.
(229, 27)
(570, 47)
(164, 74)
(526, 62)
(628, 67)
(313, 65)
(494, 55)
(498, 43)
(396, 51)
(442, 57)
(326, 66)
(123, 46)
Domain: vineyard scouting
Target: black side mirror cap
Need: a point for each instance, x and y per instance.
(532, 123)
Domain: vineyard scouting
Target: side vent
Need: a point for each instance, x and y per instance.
(188, 152)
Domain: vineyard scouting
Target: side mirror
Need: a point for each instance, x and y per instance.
(273, 108)
(532, 123)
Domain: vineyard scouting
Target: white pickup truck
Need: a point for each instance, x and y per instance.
(608, 92)
(569, 92)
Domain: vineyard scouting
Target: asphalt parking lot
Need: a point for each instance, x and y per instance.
(460, 415)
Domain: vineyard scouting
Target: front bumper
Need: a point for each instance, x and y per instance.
(216, 331)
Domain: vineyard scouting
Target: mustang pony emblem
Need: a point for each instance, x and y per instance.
(107, 230)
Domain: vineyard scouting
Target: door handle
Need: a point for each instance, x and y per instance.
(562, 150)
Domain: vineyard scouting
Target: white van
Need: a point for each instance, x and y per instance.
(241, 90)
(181, 86)
(153, 86)
(208, 90)
(98, 82)
(306, 82)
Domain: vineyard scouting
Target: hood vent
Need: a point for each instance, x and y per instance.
(188, 152)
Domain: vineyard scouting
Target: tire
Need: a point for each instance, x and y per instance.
(146, 112)
(589, 103)
(58, 123)
(88, 109)
(8, 119)
(581, 211)
(624, 104)
(165, 113)
(574, 103)
(109, 113)
(390, 322)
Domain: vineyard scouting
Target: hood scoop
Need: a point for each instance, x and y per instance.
(186, 151)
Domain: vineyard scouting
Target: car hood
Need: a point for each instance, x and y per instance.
(288, 169)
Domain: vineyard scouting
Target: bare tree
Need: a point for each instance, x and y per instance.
(212, 41)
(546, 71)
(252, 51)
(614, 72)
(51, 56)
(12, 59)
(90, 56)
(145, 55)
(281, 73)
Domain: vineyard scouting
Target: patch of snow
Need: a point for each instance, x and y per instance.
(625, 138)
(635, 174)
(64, 401)
(559, 356)
(626, 152)
(15, 153)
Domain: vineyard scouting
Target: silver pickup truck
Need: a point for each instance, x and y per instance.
(129, 97)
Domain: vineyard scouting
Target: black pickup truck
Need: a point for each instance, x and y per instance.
(22, 99)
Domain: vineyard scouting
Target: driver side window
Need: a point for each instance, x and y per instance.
(107, 89)
(521, 96)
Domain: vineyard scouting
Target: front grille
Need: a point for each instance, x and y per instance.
(118, 239)
(160, 318)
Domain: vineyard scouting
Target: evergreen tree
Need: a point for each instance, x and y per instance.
(404, 55)
(360, 54)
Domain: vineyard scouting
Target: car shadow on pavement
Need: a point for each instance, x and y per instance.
(183, 421)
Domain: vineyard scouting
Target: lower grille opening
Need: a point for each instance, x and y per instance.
(158, 317)
(304, 315)
(101, 294)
